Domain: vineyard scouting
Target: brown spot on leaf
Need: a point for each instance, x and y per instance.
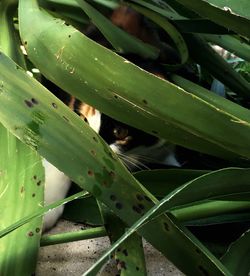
(198, 250)
(30, 234)
(137, 209)
(141, 206)
(121, 265)
(28, 103)
(147, 198)
(139, 197)
(54, 105)
(105, 183)
(112, 174)
(125, 252)
(90, 173)
(166, 226)
(118, 205)
(34, 101)
(203, 270)
(113, 197)
(65, 118)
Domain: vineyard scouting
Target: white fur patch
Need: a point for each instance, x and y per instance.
(159, 153)
(57, 185)
(95, 121)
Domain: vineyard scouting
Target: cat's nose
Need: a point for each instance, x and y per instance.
(124, 141)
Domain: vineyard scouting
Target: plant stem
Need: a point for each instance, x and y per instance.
(73, 236)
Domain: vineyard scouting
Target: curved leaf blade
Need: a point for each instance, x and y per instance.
(120, 40)
(233, 44)
(237, 256)
(122, 86)
(44, 123)
(203, 54)
(174, 34)
(21, 191)
(225, 17)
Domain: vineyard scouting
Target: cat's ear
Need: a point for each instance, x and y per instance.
(128, 19)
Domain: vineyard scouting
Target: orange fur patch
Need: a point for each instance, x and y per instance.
(86, 110)
(71, 103)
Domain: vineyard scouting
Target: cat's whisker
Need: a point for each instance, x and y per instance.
(141, 164)
(128, 163)
(145, 158)
(133, 161)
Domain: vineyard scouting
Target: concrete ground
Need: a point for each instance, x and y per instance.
(76, 257)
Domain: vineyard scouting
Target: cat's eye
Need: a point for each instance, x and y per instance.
(120, 133)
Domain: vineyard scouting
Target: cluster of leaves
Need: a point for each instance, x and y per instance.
(179, 111)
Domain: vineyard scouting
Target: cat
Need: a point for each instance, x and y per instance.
(137, 149)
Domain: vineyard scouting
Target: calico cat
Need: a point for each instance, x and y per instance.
(137, 149)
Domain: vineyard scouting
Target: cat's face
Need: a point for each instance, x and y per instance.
(123, 137)
(135, 148)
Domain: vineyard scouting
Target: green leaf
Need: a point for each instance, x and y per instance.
(129, 256)
(120, 40)
(9, 39)
(89, 214)
(170, 29)
(233, 44)
(162, 182)
(108, 3)
(168, 13)
(214, 99)
(44, 123)
(213, 185)
(203, 54)
(210, 211)
(85, 234)
(158, 182)
(124, 91)
(21, 175)
(67, 10)
(21, 192)
(200, 25)
(32, 215)
(237, 256)
(182, 235)
(237, 7)
(224, 17)
(222, 182)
